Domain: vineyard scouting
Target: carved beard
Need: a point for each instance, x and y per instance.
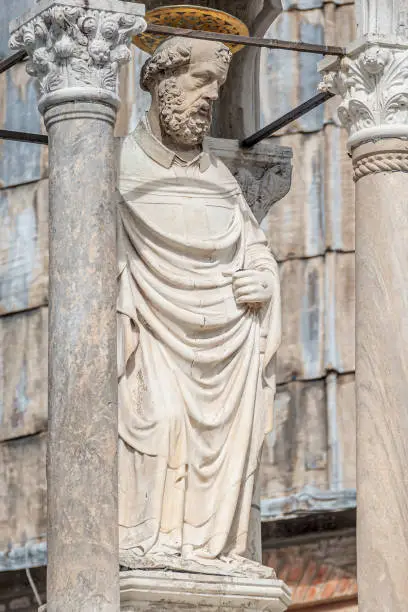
(184, 126)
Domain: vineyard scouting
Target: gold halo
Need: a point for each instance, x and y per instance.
(193, 18)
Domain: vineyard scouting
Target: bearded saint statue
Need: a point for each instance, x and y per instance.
(198, 328)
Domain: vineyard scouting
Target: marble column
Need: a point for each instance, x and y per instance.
(75, 50)
(373, 83)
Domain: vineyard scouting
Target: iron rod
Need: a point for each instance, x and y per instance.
(23, 136)
(11, 60)
(269, 43)
(248, 142)
(276, 125)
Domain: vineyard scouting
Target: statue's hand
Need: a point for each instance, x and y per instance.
(252, 287)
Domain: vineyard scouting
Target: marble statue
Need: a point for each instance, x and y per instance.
(198, 329)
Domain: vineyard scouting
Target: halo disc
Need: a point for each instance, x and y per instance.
(192, 18)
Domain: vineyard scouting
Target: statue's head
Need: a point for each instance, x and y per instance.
(184, 77)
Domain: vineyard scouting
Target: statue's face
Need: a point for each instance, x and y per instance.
(186, 98)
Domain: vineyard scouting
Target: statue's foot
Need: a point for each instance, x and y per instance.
(247, 567)
(225, 565)
(134, 559)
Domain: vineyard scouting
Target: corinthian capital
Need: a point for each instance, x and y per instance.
(76, 47)
(372, 81)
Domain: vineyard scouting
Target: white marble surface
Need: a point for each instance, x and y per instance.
(163, 591)
(372, 82)
(198, 329)
(381, 377)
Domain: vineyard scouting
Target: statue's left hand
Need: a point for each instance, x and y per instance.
(252, 287)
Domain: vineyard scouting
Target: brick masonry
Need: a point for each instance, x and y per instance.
(322, 571)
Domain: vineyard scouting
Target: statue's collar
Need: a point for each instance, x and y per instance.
(160, 153)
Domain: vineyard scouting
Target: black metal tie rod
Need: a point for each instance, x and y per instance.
(276, 125)
(269, 43)
(23, 136)
(250, 41)
(247, 143)
(11, 60)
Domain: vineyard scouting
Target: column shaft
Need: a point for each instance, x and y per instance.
(83, 566)
(382, 377)
(75, 49)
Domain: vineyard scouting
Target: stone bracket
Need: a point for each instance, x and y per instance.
(263, 172)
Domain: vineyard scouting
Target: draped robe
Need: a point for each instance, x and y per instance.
(195, 368)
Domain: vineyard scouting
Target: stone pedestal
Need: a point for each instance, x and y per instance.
(146, 591)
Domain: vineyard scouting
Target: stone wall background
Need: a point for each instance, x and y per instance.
(309, 460)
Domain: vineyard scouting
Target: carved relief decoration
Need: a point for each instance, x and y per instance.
(374, 88)
(389, 161)
(75, 47)
(263, 173)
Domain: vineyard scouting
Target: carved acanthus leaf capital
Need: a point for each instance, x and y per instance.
(373, 84)
(75, 47)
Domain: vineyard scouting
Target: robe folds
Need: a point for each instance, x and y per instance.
(194, 367)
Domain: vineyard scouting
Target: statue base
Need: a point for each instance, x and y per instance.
(149, 590)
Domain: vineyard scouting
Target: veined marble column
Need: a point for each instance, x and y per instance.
(373, 82)
(75, 49)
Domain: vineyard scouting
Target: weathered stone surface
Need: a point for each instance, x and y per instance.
(20, 162)
(24, 247)
(309, 461)
(23, 509)
(318, 317)
(82, 468)
(143, 591)
(301, 354)
(339, 29)
(317, 214)
(23, 378)
(382, 17)
(339, 206)
(339, 312)
(295, 225)
(278, 93)
(295, 453)
(341, 421)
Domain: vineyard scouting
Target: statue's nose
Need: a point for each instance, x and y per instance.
(212, 92)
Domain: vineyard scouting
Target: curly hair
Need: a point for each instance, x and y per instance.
(171, 54)
(224, 54)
